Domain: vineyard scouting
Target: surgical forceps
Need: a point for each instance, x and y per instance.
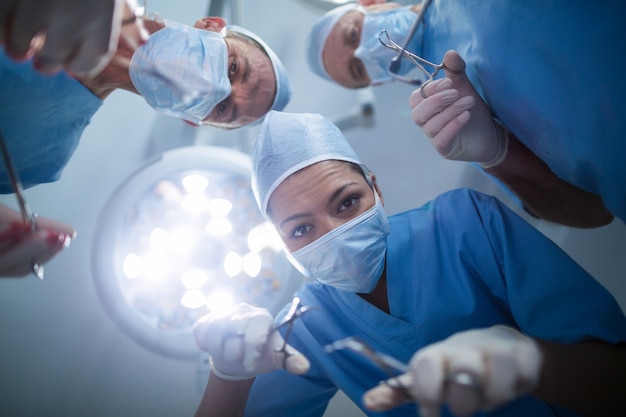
(392, 366)
(296, 310)
(27, 214)
(419, 62)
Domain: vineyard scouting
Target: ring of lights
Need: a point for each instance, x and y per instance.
(180, 237)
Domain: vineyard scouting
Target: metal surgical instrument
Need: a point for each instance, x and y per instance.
(418, 61)
(393, 366)
(396, 61)
(27, 214)
(295, 311)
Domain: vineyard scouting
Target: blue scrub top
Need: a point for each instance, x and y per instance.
(460, 262)
(42, 118)
(553, 73)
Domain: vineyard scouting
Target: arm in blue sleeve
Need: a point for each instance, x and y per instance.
(578, 325)
(549, 294)
(281, 394)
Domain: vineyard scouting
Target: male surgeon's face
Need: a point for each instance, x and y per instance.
(338, 54)
(253, 85)
(252, 80)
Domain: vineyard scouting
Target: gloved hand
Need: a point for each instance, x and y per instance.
(457, 120)
(20, 246)
(80, 35)
(503, 364)
(242, 344)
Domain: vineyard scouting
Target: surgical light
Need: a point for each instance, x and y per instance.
(182, 237)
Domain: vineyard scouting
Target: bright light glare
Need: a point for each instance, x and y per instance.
(182, 240)
(219, 301)
(219, 226)
(157, 267)
(264, 235)
(193, 298)
(195, 183)
(233, 264)
(220, 207)
(252, 264)
(194, 279)
(159, 239)
(132, 266)
(195, 203)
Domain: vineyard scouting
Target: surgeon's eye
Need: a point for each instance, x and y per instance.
(232, 69)
(349, 203)
(357, 69)
(220, 109)
(301, 230)
(354, 37)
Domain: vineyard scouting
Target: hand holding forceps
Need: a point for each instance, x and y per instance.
(295, 311)
(26, 246)
(243, 341)
(396, 369)
(27, 214)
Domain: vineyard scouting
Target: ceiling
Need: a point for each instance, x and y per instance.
(61, 354)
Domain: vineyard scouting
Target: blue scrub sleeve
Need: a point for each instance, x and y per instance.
(281, 394)
(549, 295)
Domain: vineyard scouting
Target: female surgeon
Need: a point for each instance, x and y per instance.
(547, 70)
(459, 286)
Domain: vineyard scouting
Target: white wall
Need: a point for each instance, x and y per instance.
(60, 354)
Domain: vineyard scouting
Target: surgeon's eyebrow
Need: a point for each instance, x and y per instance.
(356, 70)
(349, 29)
(246, 71)
(293, 217)
(340, 191)
(234, 113)
(346, 35)
(334, 196)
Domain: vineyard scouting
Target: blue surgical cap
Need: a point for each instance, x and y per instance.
(289, 142)
(283, 87)
(319, 34)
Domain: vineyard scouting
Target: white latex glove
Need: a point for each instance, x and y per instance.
(457, 120)
(79, 35)
(503, 363)
(20, 246)
(242, 344)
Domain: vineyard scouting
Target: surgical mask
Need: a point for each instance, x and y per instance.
(350, 257)
(374, 55)
(182, 71)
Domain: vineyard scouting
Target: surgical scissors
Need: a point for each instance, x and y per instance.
(296, 310)
(392, 366)
(27, 215)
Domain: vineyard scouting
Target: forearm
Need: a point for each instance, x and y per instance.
(224, 398)
(545, 195)
(588, 378)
